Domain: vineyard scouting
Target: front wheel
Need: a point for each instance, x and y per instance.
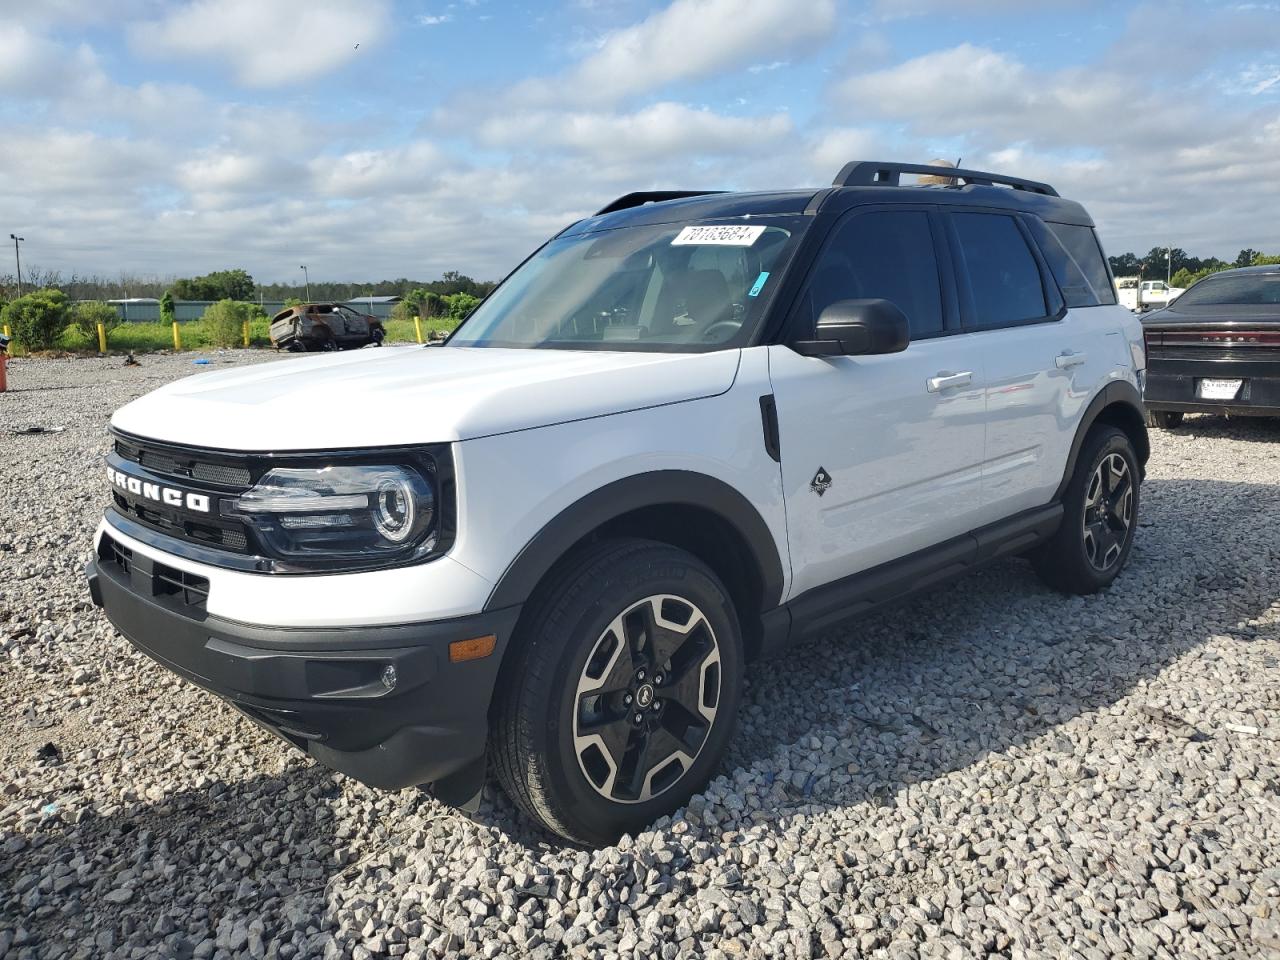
(1100, 515)
(623, 694)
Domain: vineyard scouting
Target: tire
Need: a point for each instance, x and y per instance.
(585, 665)
(1100, 516)
(1165, 419)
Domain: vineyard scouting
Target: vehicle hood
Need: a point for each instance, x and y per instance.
(405, 395)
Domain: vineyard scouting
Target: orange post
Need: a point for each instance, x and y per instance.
(4, 378)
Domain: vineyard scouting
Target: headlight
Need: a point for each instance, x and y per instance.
(357, 514)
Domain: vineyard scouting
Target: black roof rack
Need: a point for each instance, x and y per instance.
(651, 196)
(871, 173)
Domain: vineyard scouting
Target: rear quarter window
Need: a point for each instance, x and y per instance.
(1075, 257)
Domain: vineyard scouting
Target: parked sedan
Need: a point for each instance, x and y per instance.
(1216, 349)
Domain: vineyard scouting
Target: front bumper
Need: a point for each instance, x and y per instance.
(321, 689)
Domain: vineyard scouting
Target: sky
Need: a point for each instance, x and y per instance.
(376, 139)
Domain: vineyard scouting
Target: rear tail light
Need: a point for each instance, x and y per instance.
(1222, 338)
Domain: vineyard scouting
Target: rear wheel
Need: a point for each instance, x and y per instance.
(623, 693)
(1165, 419)
(1100, 515)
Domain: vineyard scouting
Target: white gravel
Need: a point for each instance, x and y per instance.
(990, 768)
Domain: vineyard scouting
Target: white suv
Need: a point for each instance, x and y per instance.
(684, 431)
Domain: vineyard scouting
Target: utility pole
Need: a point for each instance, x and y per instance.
(17, 259)
(307, 278)
(1168, 260)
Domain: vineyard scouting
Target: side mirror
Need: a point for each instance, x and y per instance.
(857, 328)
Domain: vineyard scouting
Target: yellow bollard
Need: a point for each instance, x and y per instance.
(246, 333)
(177, 337)
(102, 339)
(417, 325)
(6, 331)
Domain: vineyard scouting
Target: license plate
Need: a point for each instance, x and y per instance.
(1219, 389)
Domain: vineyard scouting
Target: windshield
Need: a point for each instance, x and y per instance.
(660, 287)
(1237, 289)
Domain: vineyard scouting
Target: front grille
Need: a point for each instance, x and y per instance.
(193, 591)
(221, 474)
(116, 554)
(172, 462)
(159, 463)
(184, 593)
(217, 476)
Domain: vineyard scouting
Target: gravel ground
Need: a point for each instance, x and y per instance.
(993, 769)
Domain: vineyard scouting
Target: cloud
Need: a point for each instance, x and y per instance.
(1148, 165)
(687, 40)
(978, 92)
(362, 174)
(267, 44)
(106, 174)
(33, 65)
(432, 20)
(73, 12)
(670, 130)
(895, 9)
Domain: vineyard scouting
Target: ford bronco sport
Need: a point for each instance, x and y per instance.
(684, 431)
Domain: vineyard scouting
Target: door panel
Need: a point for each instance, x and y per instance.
(1013, 307)
(905, 463)
(1028, 404)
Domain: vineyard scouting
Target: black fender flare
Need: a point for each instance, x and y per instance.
(1117, 392)
(613, 500)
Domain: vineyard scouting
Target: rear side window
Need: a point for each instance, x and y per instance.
(1004, 278)
(884, 255)
(1077, 264)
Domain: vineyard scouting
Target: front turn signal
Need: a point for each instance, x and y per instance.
(477, 648)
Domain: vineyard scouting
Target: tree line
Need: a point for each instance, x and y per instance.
(1182, 268)
(234, 284)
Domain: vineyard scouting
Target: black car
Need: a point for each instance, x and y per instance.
(1216, 349)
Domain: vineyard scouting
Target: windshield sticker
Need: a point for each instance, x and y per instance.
(725, 235)
(759, 284)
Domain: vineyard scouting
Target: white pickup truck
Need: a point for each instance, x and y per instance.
(1142, 295)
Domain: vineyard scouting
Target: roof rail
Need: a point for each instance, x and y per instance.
(650, 196)
(871, 173)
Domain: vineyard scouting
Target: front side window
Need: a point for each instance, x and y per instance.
(883, 255)
(672, 287)
(1004, 278)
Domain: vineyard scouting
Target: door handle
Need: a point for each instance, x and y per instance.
(1069, 358)
(944, 380)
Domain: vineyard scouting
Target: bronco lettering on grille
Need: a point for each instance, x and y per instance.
(169, 496)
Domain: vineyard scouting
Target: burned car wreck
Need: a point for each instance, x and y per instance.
(324, 326)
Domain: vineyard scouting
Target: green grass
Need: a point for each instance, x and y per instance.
(150, 337)
(401, 331)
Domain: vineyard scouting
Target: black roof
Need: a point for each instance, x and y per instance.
(859, 182)
(1260, 268)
